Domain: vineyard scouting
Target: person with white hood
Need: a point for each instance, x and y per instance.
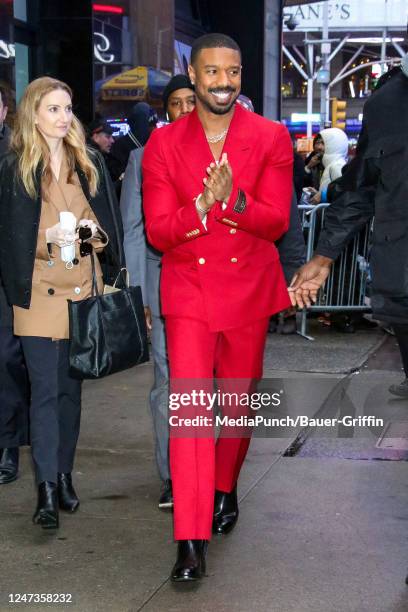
(334, 159)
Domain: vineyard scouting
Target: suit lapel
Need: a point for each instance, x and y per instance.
(238, 144)
(196, 153)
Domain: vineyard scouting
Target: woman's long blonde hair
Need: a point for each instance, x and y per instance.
(31, 147)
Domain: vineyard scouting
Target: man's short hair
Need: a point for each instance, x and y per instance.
(212, 41)
(3, 96)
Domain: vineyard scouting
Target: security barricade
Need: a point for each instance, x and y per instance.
(345, 289)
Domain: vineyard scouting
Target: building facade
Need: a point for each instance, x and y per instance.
(116, 53)
(369, 36)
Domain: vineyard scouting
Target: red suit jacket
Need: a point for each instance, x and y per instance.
(229, 273)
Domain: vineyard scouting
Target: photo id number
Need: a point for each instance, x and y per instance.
(57, 598)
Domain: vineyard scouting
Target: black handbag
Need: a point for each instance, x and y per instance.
(107, 332)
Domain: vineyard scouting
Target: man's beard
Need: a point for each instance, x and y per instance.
(223, 110)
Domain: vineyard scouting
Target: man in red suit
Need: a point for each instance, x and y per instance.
(217, 187)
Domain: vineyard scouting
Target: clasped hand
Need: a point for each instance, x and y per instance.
(218, 182)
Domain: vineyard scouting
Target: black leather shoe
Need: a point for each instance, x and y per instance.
(46, 513)
(8, 464)
(67, 498)
(225, 512)
(166, 495)
(190, 563)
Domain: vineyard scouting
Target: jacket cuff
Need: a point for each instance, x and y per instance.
(325, 251)
(230, 213)
(193, 225)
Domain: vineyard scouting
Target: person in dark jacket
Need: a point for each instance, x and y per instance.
(141, 122)
(14, 387)
(48, 175)
(298, 174)
(292, 254)
(374, 184)
(314, 168)
(100, 138)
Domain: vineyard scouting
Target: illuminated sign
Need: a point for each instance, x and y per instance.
(7, 50)
(304, 117)
(108, 8)
(350, 15)
(101, 49)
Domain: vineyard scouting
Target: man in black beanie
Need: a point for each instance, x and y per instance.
(144, 264)
(178, 97)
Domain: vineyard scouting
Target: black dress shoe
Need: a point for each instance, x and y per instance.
(46, 513)
(67, 498)
(225, 511)
(166, 495)
(8, 465)
(190, 563)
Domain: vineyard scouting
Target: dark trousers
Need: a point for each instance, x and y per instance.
(401, 332)
(14, 391)
(55, 409)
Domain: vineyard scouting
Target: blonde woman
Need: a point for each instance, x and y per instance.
(48, 174)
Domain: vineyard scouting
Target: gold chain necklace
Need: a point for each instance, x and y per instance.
(217, 137)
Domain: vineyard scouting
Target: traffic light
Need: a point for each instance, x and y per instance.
(339, 108)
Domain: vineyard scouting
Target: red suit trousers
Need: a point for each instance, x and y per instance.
(199, 465)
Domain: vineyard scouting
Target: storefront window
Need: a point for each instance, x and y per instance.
(22, 69)
(20, 9)
(133, 54)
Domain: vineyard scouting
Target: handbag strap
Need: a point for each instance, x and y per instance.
(95, 291)
(126, 278)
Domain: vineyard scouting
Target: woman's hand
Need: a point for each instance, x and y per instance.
(59, 236)
(91, 225)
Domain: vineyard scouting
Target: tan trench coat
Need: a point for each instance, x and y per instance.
(53, 284)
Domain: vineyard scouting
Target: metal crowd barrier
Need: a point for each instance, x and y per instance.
(345, 287)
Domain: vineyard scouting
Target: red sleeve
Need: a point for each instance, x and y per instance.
(267, 211)
(169, 221)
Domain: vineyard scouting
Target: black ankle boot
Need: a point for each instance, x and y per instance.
(68, 499)
(190, 563)
(225, 512)
(8, 464)
(46, 513)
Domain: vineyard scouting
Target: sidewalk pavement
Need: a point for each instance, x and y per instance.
(317, 533)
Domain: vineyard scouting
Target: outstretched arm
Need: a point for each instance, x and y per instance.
(352, 207)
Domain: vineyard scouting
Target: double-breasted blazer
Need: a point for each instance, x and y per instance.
(20, 221)
(228, 272)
